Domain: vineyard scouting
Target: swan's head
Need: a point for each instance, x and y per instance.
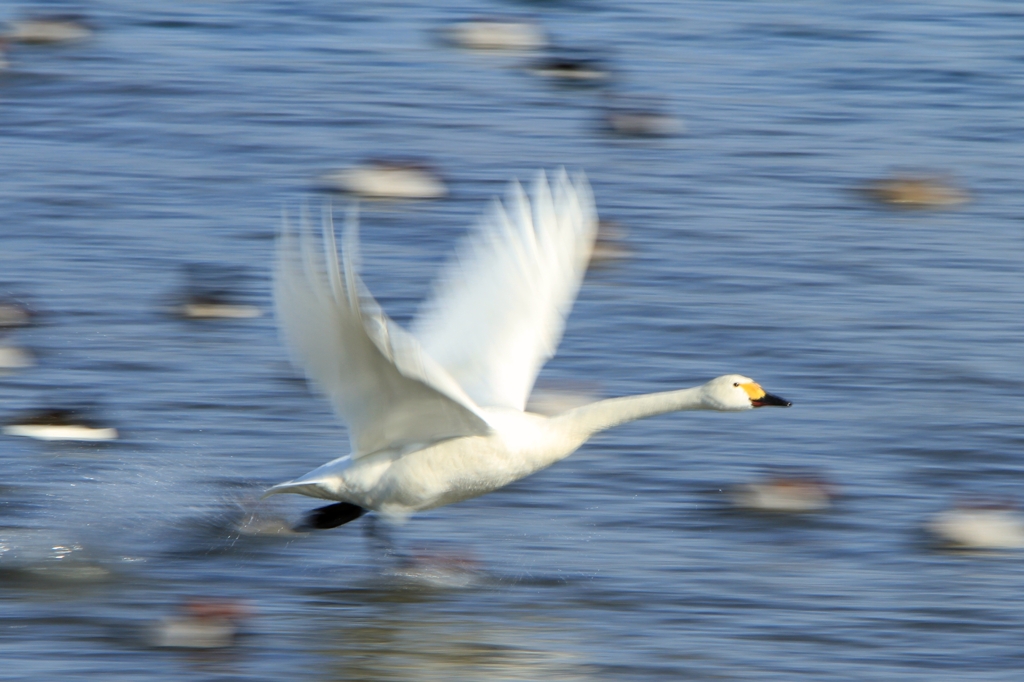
(736, 392)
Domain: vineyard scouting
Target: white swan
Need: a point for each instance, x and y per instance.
(437, 416)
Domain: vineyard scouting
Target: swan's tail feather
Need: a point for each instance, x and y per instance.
(303, 486)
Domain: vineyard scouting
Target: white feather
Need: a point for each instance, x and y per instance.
(382, 385)
(499, 312)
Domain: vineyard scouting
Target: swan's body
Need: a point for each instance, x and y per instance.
(438, 417)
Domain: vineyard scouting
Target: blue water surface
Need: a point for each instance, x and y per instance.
(177, 134)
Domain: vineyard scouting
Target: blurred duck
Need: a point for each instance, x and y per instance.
(610, 245)
(207, 294)
(641, 123)
(792, 494)
(12, 358)
(214, 305)
(201, 624)
(979, 527)
(915, 192)
(637, 117)
(389, 180)
(572, 70)
(496, 34)
(59, 424)
(14, 314)
(438, 416)
(61, 28)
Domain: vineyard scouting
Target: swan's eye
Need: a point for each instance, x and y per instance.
(736, 384)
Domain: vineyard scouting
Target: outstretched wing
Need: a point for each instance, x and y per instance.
(499, 312)
(382, 384)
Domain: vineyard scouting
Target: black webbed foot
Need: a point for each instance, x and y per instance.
(331, 516)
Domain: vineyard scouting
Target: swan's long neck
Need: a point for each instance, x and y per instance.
(587, 420)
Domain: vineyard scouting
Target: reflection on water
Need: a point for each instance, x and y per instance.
(402, 625)
(399, 644)
(170, 140)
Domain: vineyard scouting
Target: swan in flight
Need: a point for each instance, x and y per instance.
(437, 416)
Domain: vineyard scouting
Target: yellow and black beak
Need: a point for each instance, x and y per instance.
(761, 398)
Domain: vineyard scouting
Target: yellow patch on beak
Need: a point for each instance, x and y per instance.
(753, 390)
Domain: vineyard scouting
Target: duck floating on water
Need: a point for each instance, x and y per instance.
(784, 494)
(201, 624)
(59, 424)
(979, 526)
(13, 357)
(572, 68)
(210, 293)
(15, 314)
(388, 180)
(496, 34)
(49, 29)
(634, 116)
(915, 192)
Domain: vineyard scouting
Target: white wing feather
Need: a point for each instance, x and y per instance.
(382, 384)
(499, 313)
